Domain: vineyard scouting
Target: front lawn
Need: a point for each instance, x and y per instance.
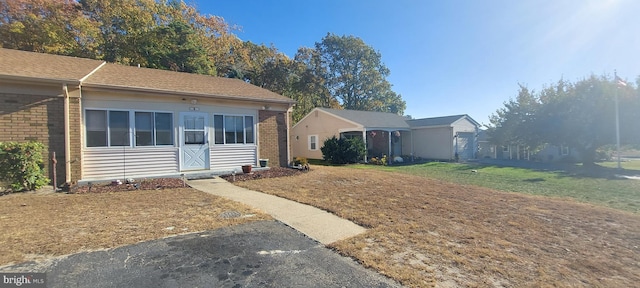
(37, 226)
(623, 194)
(433, 232)
(629, 165)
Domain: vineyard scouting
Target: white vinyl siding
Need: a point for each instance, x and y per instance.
(232, 156)
(116, 163)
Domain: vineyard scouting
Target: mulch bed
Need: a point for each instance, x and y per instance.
(172, 183)
(144, 184)
(273, 172)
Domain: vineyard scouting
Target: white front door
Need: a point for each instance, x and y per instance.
(193, 141)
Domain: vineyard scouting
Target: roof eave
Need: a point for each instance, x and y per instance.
(430, 126)
(183, 93)
(40, 79)
(389, 128)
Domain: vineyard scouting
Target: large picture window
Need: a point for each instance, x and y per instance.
(233, 129)
(111, 128)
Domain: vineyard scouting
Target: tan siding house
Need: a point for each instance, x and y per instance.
(108, 121)
(442, 138)
(438, 138)
(383, 133)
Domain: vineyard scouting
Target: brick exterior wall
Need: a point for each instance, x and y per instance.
(75, 135)
(273, 137)
(26, 118)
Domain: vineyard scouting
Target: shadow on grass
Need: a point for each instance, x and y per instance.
(565, 169)
(534, 180)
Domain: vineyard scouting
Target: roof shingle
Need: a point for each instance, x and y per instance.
(40, 66)
(129, 77)
(23, 64)
(438, 121)
(371, 119)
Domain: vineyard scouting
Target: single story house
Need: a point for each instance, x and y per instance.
(108, 121)
(383, 133)
(388, 134)
(442, 138)
(486, 149)
(546, 153)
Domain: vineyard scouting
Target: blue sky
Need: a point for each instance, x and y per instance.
(457, 56)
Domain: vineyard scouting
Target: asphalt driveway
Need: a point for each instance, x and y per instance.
(258, 254)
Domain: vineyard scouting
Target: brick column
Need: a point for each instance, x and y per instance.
(273, 137)
(76, 136)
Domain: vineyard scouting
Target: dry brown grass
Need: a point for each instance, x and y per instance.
(42, 225)
(426, 232)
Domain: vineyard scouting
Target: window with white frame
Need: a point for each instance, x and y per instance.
(232, 129)
(194, 130)
(313, 142)
(564, 150)
(112, 128)
(153, 128)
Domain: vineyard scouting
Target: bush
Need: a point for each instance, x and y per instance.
(300, 161)
(343, 151)
(381, 161)
(21, 165)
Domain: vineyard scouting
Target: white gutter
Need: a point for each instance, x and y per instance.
(366, 151)
(67, 136)
(92, 71)
(412, 148)
(288, 136)
(191, 94)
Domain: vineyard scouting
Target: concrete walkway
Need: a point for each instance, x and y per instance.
(317, 224)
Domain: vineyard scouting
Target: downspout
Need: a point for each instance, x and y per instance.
(288, 136)
(389, 159)
(452, 145)
(364, 138)
(67, 136)
(412, 151)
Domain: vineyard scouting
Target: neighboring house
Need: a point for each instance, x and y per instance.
(383, 133)
(108, 121)
(442, 138)
(548, 152)
(486, 149)
(553, 153)
(387, 134)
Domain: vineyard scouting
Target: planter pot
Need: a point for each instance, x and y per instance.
(246, 168)
(264, 162)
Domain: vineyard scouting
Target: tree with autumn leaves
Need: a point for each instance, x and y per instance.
(339, 72)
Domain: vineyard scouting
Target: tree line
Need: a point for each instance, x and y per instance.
(338, 72)
(580, 115)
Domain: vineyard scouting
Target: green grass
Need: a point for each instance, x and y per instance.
(628, 165)
(620, 194)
